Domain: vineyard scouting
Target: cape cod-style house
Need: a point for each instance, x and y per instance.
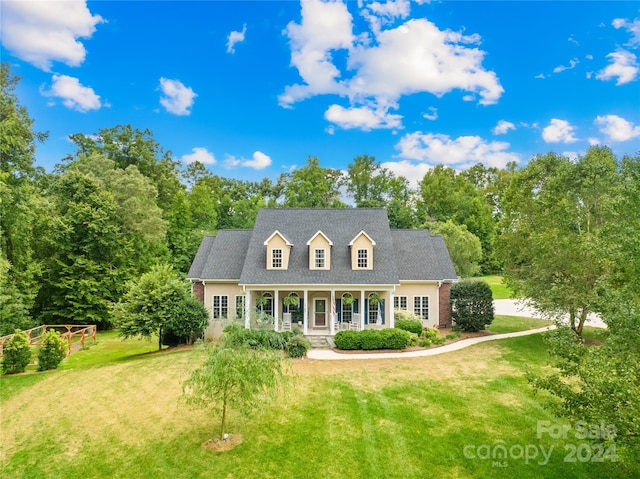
(324, 269)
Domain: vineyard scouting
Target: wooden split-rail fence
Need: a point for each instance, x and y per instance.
(69, 332)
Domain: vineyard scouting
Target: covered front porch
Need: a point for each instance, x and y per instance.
(321, 311)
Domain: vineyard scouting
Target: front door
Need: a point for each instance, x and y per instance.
(320, 312)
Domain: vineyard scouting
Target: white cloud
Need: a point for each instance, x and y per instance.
(259, 161)
(413, 172)
(74, 95)
(632, 27)
(559, 131)
(365, 117)
(461, 152)
(539, 76)
(384, 64)
(593, 141)
(572, 64)
(624, 66)
(617, 128)
(433, 115)
(199, 154)
(178, 98)
(503, 127)
(43, 32)
(235, 37)
(572, 40)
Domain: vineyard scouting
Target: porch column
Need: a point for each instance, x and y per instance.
(276, 309)
(362, 311)
(332, 329)
(247, 309)
(392, 319)
(305, 313)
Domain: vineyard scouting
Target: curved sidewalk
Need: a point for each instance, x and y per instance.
(329, 354)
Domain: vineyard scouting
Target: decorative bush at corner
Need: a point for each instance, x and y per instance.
(413, 326)
(52, 352)
(297, 347)
(371, 339)
(17, 354)
(471, 305)
(347, 340)
(395, 338)
(430, 333)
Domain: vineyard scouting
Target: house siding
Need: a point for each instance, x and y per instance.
(410, 290)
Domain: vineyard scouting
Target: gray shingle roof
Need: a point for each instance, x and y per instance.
(224, 257)
(420, 256)
(341, 226)
(397, 255)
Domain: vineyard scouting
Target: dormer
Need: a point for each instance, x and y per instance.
(319, 251)
(278, 251)
(362, 251)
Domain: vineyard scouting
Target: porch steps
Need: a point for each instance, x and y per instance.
(320, 342)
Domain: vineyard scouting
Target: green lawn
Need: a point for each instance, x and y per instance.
(499, 289)
(113, 411)
(512, 324)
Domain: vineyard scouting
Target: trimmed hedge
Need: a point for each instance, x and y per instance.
(472, 305)
(348, 340)
(409, 325)
(370, 339)
(17, 354)
(52, 351)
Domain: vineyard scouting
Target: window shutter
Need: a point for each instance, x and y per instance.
(339, 309)
(355, 305)
(365, 311)
(382, 310)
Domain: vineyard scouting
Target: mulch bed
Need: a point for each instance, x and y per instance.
(222, 445)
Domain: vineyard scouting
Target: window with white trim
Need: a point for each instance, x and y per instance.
(220, 307)
(276, 258)
(347, 308)
(421, 306)
(362, 258)
(266, 305)
(240, 307)
(374, 310)
(400, 302)
(319, 258)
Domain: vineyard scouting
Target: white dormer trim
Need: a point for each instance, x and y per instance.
(373, 243)
(276, 232)
(323, 235)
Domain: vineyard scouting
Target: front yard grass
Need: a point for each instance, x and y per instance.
(512, 324)
(498, 288)
(120, 417)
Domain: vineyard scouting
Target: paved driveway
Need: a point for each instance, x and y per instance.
(512, 307)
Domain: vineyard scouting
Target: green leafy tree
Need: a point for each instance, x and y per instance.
(52, 352)
(158, 301)
(233, 378)
(16, 354)
(553, 244)
(367, 182)
(88, 254)
(189, 320)
(313, 187)
(23, 209)
(472, 305)
(447, 195)
(464, 247)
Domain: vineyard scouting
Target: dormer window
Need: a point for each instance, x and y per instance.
(278, 251)
(363, 259)
(320, 258)
(362, 251)
(276, 258)
(319, 251)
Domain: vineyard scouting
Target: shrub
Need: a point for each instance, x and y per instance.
(188, 322)
(297, 347)
(430, 333)
(405, 314)
(424, 343)
(17, 354)
(52, 352)
(438, 340)
(413, 326)
(413, 339)
(370, 339)
(454, 335)
(395, 338)
(348, 340)
(472, 305)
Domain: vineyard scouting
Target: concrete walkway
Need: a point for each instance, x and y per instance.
(329, 354)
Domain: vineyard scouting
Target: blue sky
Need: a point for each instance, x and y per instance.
(252, 89)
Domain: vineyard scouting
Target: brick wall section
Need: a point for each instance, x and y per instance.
(445, 305)
(198, 291)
